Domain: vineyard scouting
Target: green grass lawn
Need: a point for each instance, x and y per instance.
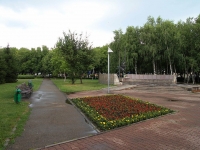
(12, 114)
(68, 87)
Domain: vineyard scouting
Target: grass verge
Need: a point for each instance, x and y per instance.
(68, 87)
(13, 115)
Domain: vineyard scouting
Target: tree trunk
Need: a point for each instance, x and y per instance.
(73, 80)
(81, 79)
(170, 66)
(174, 68)
(185, 77)
(154, 67)
(119, 65)
(188, 78)
(167, 69)
(170, 62)
(135, 66)
(193, 78)
(64, 77)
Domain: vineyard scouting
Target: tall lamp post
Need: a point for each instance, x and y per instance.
(109, 51)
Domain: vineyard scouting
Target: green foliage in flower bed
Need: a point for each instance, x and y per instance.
(112, 111)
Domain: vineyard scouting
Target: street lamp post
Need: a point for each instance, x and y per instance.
(109, 51)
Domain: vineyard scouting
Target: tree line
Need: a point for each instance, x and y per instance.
(72, 56)
(8, 68)
(158, 47)
(21, 61)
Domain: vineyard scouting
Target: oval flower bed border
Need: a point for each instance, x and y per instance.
(102, 112)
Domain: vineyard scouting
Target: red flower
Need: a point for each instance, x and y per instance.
(114, 107)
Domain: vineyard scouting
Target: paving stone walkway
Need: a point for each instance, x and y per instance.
(177, 131)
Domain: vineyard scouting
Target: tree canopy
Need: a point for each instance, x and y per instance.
(10, 66)
(158, 47)
(77, 53)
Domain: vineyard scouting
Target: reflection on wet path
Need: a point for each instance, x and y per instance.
(52, 120)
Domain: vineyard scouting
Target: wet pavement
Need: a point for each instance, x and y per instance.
(177, 131)
(55, 125)
(52, 120)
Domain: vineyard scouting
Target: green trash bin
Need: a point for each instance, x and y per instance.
(17, 96)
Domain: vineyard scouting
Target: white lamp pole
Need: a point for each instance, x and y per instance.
(109, 50)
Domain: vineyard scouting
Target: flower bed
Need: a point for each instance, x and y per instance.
(112, 111)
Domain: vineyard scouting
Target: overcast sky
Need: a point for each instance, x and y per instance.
(33, 23)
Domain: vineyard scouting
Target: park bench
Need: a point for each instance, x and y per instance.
(26, 90)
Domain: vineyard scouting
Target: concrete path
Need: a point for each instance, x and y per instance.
(177, 131)
(52, 120)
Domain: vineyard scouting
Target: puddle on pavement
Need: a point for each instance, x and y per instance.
(31, 105)
(94, 131)
(172, 100)
(39, 96)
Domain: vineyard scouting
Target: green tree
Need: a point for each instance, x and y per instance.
(170, 40)
(23, 55)
(188, 49)
(132, 47)
(169, 47)
(11, 72)
(39, 56)
(77, 53)
(46, 64)
(148, 39)
(3, 67)
(101, 59)
(58, 62)
(118, 55)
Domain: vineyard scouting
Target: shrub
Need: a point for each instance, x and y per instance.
(39, 76)
(26, 77)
